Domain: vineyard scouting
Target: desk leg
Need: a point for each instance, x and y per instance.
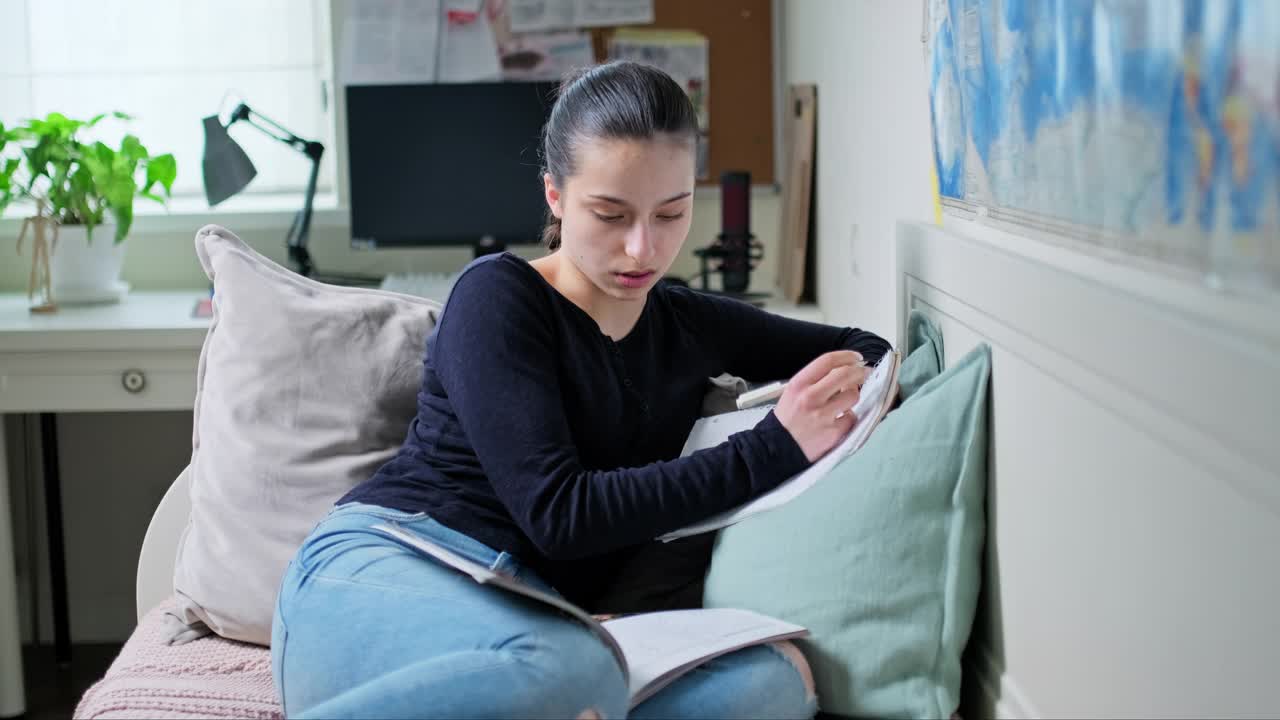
(57, 548)
(12, 698)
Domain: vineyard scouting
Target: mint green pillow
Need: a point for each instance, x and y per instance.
(881, 561)
(924, 354)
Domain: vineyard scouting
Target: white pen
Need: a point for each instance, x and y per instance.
(761, 395)
(767, 393)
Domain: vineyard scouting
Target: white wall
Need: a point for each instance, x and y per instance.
(873, 143)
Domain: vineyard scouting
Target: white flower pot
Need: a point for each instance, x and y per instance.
(87, 272)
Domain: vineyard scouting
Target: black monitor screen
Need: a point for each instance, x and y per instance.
(446, 164)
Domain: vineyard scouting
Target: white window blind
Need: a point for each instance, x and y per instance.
(170, 63)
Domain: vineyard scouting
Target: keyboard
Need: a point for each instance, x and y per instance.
(435, 285)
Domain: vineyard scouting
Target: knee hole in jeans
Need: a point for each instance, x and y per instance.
(788, 650)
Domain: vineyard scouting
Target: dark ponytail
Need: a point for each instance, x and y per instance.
(620, 100)
(551, 231)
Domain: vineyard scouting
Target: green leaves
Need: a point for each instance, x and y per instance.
(80, 181)
(132, 148)
(7, 171)
(124, 219)
(56, 126)
(81, 189)
(162, 169)
(117, 114)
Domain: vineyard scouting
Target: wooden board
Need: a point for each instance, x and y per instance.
(740, 78)
(799, 116)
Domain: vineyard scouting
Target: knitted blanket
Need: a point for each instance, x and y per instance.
(211, 677)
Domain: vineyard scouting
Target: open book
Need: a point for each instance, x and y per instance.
(653, 649)
(874, 401)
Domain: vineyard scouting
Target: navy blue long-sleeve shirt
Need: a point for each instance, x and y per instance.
(539, 435)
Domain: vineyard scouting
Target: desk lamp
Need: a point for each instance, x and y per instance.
(227, 170)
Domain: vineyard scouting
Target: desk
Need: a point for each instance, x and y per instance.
(80, 359)
(803, 311)
(138, 355)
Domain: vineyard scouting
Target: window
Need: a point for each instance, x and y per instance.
(170, 63)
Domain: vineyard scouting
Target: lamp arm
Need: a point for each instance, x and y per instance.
(300, 229)
(302, 225)
(243, 112)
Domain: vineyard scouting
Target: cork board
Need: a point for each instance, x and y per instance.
(740, 78)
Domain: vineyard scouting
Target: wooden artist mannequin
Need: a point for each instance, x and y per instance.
(42, 248)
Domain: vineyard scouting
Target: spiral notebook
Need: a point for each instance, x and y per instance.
(876, 398)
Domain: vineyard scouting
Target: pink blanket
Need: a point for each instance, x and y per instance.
(207, 678)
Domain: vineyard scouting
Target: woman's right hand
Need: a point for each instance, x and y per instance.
(824, 389)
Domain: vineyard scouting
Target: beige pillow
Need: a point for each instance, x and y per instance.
(303, 390)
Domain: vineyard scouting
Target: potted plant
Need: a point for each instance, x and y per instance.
(87, 189)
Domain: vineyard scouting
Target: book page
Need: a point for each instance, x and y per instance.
(652, 649)
(662, 646)
(709, 432)
(874, 401)
(484, 575)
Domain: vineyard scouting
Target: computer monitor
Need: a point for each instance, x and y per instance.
(447, 164)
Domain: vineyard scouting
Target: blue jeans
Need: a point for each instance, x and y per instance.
(365, 627)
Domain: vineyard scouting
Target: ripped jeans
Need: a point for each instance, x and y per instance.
(367, 628)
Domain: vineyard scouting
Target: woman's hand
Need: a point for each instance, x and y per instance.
(816, 405)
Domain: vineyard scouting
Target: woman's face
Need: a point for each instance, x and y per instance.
(625, 213)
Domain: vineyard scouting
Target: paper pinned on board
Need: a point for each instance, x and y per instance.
(685, 56)
(465, 7)
(543, 15)
(595, 13)
(389, 41)
(469, 51)
(546, 56)
(682, 54)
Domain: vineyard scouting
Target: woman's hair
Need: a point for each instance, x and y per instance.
(620, 100)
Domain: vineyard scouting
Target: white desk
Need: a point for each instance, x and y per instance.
(76, 360)
(90, 359)
(805, 311)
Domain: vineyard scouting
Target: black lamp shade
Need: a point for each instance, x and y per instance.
(227, 169)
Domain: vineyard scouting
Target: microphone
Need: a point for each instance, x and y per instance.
(735, 247)
(735, 230)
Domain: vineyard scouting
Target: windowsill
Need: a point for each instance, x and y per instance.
(186, 214)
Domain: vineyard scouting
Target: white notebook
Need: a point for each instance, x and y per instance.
(877, 396)
(653, 649)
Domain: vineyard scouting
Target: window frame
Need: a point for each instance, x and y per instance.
(258, 211)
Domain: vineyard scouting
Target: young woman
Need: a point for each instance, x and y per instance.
(555, 400)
